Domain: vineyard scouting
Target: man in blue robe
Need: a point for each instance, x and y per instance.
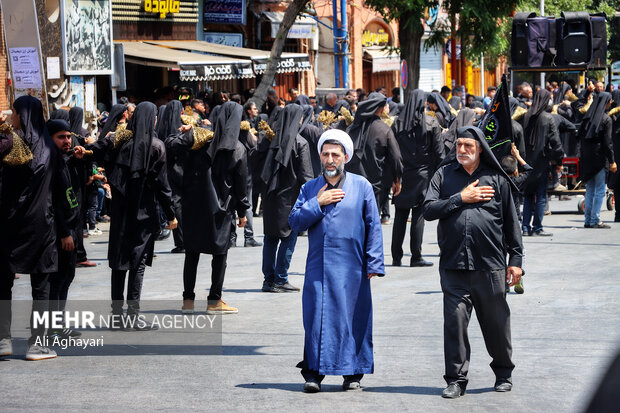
(340, 213)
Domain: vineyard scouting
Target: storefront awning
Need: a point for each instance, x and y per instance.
(289, 62)
(303, 28)
(193, 66)
(383, 60)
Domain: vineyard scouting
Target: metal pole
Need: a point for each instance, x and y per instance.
(336, 47)
(482, 75)
(542, 74)
(344, 33)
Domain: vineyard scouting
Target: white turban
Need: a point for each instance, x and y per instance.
(337, 135)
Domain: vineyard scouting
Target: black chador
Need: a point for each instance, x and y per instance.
(311, 133)
(168, 125)
(214, 185)
(115, 116)
(28, 241)
(595, 135)
(421, 147)
(136, 165)
(287, 167)
(377, 156)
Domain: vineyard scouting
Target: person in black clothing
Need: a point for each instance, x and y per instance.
(421, 147)
(377, 155)
(287, 167)
(214, 185)
(136, 165)
(311, 133)
(168, 125)
(67, 212)
(596, 157)
(614, 178)
(542, 145)
(478, 226)
(28, 242)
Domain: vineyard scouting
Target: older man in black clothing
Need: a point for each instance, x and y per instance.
(478, 227)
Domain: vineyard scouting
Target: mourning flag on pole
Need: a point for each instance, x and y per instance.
(496, 124)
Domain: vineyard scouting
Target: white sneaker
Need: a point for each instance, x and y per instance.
(559, 187)
(6, 347)
(36, 353)
(95, 231)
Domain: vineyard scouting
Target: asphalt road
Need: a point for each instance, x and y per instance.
(565, 329)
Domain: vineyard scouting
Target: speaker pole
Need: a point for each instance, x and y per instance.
(542, 74)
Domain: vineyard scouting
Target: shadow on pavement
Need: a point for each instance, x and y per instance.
(405, 389)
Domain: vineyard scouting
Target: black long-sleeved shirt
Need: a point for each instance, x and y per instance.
(473, 236)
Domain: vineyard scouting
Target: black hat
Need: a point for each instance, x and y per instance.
(56, 125)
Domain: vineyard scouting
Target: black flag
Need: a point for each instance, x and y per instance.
(496, 124)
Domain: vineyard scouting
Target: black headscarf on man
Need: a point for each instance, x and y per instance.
(443, 106)
(308, 113)
(76, 120)
(466, 117)
(116, 113)
(35, 132)
(411, 119)
(591, 123)
(274, 116)
(131, 160)
(487, 157)
(282, 146)
(170, 121)
(226, 129)
(60, 114)
(559, 96)
(364, 116)
(530, 121)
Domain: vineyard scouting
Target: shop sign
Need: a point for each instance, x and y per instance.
(380, 38)
(227, 39)
(224, 11)
(216, 71)
(291, 64)
(162, 7)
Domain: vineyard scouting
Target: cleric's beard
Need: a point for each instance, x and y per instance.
(334, 172)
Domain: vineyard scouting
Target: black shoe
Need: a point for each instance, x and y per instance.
(527, 233)
(164, 234)
(350, 384)
(286, 287)
(268, 287)
(178, 250)
(600, 225)
(421, 262)
(453, 391)
(251, 242)
(503, 385)
(312, 386)
(396, 263)
(542, 233)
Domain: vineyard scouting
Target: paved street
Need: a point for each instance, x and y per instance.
(565, 330)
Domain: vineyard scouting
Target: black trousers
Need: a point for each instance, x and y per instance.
(40, 285)
(79, 241)
(134, 289)
(484, 291)
(177, 233)
(416, 232)
(62, 279)
(190, 268)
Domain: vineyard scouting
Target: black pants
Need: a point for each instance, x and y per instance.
(190, 268)
(91, 203)
(177, 233)
(134, 289)
(40, 285)
(80, 251)
(61, 280)
(416, 233)
(485, 291)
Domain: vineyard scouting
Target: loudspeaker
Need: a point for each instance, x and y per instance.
(519, 48)
(574, 32)
(599, 39)
(540, 41)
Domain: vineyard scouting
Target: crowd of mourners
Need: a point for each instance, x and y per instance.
(200, 166)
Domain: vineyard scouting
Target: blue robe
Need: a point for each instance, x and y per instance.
(345, 245)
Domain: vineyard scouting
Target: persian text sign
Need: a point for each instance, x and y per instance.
(163, 7)
(224, 11)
